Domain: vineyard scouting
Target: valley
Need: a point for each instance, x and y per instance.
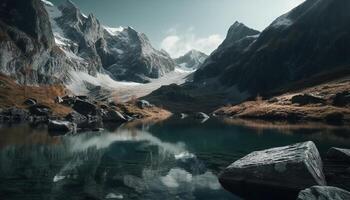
(92, 111)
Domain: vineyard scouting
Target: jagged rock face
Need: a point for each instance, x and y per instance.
(323, 193)
(191, 60)
(128, 55)
(311, 39)
(122, 52)
(238, 39)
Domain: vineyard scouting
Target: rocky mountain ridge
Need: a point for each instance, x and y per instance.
(312, 38)
(42, 43)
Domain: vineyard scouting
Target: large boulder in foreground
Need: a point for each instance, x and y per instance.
(290, 168)
(323, 193)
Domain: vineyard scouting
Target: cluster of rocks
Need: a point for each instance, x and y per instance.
(290, 172)
(87, 114)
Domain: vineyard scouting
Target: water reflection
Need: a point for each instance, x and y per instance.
(171, 160)
(124, 164)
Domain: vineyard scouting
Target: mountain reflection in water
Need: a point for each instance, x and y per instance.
(169, 160)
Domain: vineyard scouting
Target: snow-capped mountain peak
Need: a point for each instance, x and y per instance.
(191, 60)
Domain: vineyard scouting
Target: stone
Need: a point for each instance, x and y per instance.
(143, 104)
(201, 115)
(112, 116)
(323, 193)
(14, 114)
(58, 99)
(30, 102)
(305, 99)
(290, 168)
(40, 110)
(85, 107)
(76, 118)
(61, 126)
(68, 100)
(338, 154)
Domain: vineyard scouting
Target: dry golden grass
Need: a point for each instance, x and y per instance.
(14, 95)
(283, 109)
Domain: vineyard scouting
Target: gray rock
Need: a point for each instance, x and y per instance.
(30, 102)
(58, 100)
(76, 118)
(143, 104)
(201, 116)
(40, 110)
(61, 126)
(112, 116)
(338, 154)
(14, 114)
(323, 193)
(293, 168)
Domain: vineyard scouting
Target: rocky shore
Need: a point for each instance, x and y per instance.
(86, 114)
(290, 172)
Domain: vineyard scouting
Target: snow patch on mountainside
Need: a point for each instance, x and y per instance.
(114, 31)
(124, 90)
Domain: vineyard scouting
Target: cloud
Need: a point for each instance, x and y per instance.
(178, 44)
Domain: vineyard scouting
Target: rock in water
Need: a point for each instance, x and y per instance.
(337, 154)
(290, 168)
(323, 193)
(61, 126)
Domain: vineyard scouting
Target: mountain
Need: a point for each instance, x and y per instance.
(313, 38)
(191, 60)
(239, 38)
(42, 43)
(27, 46)
(124, 53)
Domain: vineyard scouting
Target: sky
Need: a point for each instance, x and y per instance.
(178, 26)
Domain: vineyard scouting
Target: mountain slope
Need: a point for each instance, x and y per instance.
(312, 38)
(238, 39)
(191, 60)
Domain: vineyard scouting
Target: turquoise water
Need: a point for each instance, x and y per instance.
(168, 160)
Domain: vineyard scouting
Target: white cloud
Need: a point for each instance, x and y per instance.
(178, 44)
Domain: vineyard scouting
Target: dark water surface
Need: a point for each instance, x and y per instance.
(168, 160)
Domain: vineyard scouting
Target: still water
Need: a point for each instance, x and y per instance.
(169, 160)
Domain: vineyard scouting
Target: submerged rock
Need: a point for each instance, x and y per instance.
(61, 126)
(290, 168)
(323, 193)
(338, 154)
